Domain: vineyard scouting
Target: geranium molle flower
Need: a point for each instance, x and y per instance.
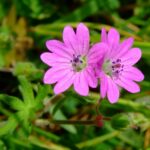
(116, 68)
(71, 61)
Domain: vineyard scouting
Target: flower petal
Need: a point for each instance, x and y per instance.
(113, 42)
(129, 85)
(123, 48)
(104, 35)
(132, 56)
(113, 91)
(103, 85)
(91, 78)
(52, 59)
(81, 84)
(113, 37)
(83, 38)
(59, 48)
(97, 52)
(64, 83)
(54, 74)
(133, 73)
(70, 39)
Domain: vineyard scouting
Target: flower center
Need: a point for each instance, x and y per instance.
(78, 62)
(113, 68)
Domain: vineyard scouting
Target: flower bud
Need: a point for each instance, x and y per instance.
(120, 121)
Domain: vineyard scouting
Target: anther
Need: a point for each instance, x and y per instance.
(117, 71)
(118, 60)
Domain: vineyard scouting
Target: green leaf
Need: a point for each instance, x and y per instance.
(42, 92)
(2, 145)
(8, 126)
(24, 118)
(27, 69)
(90, 8)
(4, 7)
(57, 106)
(132, 138)
(14, 102)
(36, 9)
(27, 91)
(5, 44)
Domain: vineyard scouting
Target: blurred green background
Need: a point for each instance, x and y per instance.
(27, 107)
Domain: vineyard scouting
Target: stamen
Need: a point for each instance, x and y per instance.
(118, 60)
(113, 68)
(78, 62)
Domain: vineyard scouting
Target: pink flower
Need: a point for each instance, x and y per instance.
(71, 61)
(116, 68)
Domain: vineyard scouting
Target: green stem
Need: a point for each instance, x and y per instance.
(135, 106)
(98, 140)
(46, 134)
(79, 122)
(98, 105)
(125, 103)
(127, 140)
(74, 122)
(143, 44)
(25, 144)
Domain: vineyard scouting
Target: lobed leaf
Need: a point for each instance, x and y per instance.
(12, 101)
(27, 91)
